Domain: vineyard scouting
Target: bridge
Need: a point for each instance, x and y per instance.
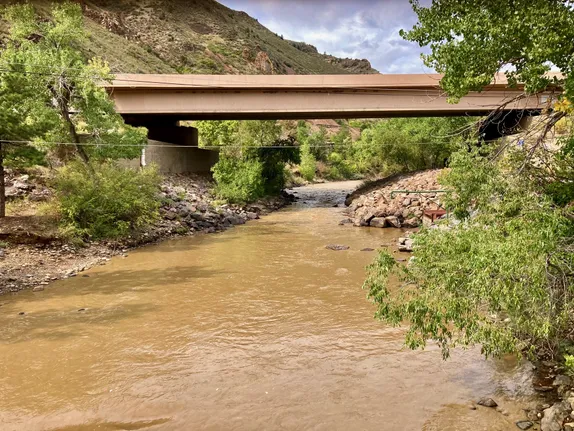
(149, 98)
(159, 102)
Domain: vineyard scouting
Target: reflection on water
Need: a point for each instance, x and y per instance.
(259, 327)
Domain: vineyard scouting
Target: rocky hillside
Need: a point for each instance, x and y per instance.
(195, 36)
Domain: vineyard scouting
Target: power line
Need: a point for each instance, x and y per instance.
(95, 144)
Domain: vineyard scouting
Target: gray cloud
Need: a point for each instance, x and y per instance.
(360, 29)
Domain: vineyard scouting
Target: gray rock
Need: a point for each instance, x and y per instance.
(412, 222)
(345, 221)
(38, 289)
(487, 402)
(561, 380)
(337, 247)
(407, 246)
(378, 222)
(393, 221)
(524, 425)
(252, 215)
(407, 202)
(368, 249)
(554, 417)
(170, 215)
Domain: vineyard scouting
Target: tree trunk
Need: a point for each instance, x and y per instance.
(2, 184)
(75, 136)
(64, 101)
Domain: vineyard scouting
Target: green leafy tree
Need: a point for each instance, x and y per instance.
(409, 144)
(471, 40)
(216, 133)
(22, 115)
(252, 157)
(502, 275)
(59, 94)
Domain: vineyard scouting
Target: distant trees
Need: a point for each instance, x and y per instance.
(252, 157)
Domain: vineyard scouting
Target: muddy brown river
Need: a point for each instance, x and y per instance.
(256, 328)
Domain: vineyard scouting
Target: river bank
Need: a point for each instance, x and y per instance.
(261, 326)
(33, 254)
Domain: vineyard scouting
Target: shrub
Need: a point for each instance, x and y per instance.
(238, 180)
(308, 163)
(106, 200)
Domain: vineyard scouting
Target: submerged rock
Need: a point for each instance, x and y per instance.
(378, 222)
(337, 247)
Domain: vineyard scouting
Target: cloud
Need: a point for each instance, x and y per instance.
(359, 29)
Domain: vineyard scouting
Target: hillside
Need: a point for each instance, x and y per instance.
(195, 36)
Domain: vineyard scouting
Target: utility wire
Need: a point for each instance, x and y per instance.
(94, 144)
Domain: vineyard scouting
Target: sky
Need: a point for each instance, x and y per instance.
(344, 28)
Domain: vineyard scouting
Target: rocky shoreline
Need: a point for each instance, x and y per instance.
(399, 201)
(32, 256)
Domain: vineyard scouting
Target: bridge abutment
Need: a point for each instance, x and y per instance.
(175, 150)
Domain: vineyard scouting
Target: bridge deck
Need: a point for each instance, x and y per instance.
(304, 96)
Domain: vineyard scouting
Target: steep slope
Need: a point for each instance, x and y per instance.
(195, 36)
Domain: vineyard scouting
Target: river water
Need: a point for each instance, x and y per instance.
(257, 328)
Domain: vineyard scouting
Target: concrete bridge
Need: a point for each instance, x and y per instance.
(142, 98)
(159, 102)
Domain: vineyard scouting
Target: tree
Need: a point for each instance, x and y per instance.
(502, 275)
(22, 115)
(62, 97)
(471, 40)
(252, 157)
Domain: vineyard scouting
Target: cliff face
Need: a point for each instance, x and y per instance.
(195, 36)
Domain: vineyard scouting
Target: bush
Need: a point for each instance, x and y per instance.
(252, 158)
(105, 200)
(308, 163)
(397, 145)
(238, 180)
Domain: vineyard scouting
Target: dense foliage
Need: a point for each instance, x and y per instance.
(471, 40)
(502, 277)
(409, 144)
(105, 200)
(500, 273)
(52, 95)
(252, 157)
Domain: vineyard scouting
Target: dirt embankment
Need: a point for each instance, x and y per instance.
(402, 200)
(32, 254)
